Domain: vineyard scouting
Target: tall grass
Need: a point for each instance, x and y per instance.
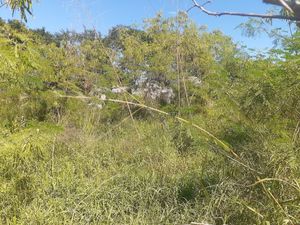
(93, 174)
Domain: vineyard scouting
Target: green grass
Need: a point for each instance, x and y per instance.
(132, 174)
(119, 178)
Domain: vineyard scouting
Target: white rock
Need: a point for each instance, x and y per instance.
(152, 89)
(119, 90)
(103, 97)
(195, 80)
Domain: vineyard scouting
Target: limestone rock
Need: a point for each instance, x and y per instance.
(152, 89)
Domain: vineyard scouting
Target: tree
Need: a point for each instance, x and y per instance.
(23, 6)
(292, 7)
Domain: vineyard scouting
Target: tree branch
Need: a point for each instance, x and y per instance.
(3, 4)
(286, 6)
(263, 16)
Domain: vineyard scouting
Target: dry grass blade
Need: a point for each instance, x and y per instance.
(275, 179)
(273, 198)
(251, 209)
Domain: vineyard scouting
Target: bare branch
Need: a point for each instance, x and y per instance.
(190, 8)
(263, 16)
(206, 3)
(3, 4)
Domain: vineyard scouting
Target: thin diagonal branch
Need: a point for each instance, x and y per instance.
(263, 16)
(3, 4)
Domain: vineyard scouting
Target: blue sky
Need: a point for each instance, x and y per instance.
(56, 15)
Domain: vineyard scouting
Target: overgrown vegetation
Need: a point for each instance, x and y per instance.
(223, 152)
